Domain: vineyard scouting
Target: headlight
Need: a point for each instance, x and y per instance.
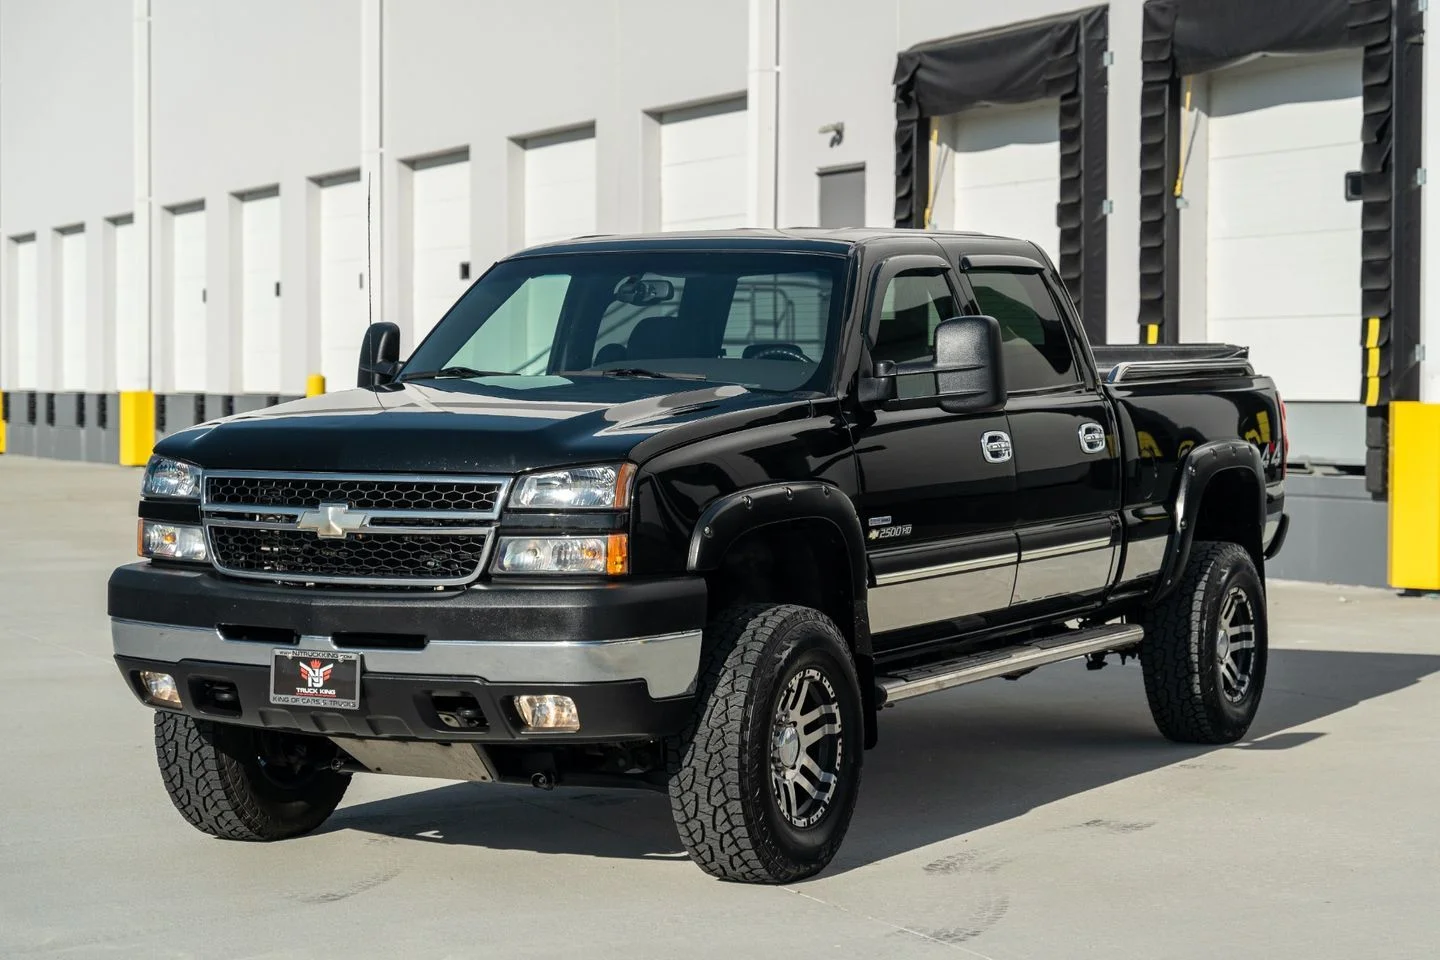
(171, 478)
(172, 541)
(605, 487)
(608, 554)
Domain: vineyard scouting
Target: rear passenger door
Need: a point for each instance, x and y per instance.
(1067, 458)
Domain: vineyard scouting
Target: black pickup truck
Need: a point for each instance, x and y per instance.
(685, 512)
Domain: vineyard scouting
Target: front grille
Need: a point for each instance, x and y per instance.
(378, 530)
(469, 496)
(295, 554)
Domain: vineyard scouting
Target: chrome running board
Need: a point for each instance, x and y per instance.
(918, 681)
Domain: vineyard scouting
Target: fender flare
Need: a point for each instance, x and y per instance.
(733, 515)
(1201, 465)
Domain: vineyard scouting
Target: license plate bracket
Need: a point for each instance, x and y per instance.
(315, 678)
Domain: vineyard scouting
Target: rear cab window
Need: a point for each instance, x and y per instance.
(1036, 347)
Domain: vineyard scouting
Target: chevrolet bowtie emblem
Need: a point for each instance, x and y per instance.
(331, 521)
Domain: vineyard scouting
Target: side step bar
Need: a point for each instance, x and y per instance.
(930, 678)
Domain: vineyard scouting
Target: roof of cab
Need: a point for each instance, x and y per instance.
(816, 239)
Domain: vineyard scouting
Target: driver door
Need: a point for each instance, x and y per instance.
(936, 488)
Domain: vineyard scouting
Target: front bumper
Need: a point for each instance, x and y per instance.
(627, 653)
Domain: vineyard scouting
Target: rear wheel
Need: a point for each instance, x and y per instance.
(764, 781)
(1206, 648)
(239, 783)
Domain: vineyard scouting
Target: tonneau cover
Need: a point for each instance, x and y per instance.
(1107, 357)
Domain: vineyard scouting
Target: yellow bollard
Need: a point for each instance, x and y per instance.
(137, 427)
(314, 385)
(1414, 504)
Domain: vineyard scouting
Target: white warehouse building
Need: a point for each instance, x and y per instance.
(203, 203)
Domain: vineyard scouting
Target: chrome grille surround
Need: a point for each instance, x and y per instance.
(265, 525)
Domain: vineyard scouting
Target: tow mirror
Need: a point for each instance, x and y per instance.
(969, 371)
(967, 367)
(379, 355)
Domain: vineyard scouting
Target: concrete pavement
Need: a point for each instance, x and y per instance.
(1037, 819)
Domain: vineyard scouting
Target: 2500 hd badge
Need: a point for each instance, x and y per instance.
(603, 527)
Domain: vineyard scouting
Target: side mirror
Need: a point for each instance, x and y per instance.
(379, 355)
(969, 370)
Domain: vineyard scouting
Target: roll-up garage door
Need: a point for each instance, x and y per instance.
(260, 294)
(559, 187)
(27, 316)
(188, 314)
(344, 306)
(132, 338)
(1003, 172)
(440, 271)
(1283, 245)
(74, 338)
(703, 168)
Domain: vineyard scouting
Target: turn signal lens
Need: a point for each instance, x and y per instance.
(173, 541)
(617, 554)
(601, 554)
(549, 711)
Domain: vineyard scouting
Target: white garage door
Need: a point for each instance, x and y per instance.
(703, 168)
(1283, 251)
(188, 313)
(441, 235)
(559, 188)
(260, 294)
(132, 340)
(27, 317)
(74, 338)
(344, 307)
(1004, 172)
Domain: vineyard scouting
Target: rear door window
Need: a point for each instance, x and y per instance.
(1036, 347)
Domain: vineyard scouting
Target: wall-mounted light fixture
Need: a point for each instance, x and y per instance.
(836, 131)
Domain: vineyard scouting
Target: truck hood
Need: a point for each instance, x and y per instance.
(492, 425)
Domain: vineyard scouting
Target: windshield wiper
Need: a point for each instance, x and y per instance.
(635, 372)
(461, 373)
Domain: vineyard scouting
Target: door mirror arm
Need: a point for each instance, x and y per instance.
(878, 388)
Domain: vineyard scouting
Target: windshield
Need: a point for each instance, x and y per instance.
(764, 320)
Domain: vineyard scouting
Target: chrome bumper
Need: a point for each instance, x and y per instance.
(668, 663)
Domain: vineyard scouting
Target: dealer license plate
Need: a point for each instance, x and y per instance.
(315, 678)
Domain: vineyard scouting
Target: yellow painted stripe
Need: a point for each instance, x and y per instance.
(314, 385)
(1372, 332)
(2, 422)
(1152, 333)
(137, 427)
(1372, 362)
(1372, 391)
(1414, 508)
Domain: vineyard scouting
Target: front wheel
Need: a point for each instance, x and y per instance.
(239, 783)
(1206, 648)
(764, 780)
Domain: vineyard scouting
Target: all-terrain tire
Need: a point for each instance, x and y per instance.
(724, 797)
(1192, 696)
(218, 781)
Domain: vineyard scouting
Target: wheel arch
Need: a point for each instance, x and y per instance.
(740, 537)
(1220, 496)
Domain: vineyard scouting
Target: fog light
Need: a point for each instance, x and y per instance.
(548, 712)
(160, 688)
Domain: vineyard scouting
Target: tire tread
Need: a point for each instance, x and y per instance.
(707, 797)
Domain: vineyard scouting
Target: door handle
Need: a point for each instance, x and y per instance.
(1092, 438)
(996, 446)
